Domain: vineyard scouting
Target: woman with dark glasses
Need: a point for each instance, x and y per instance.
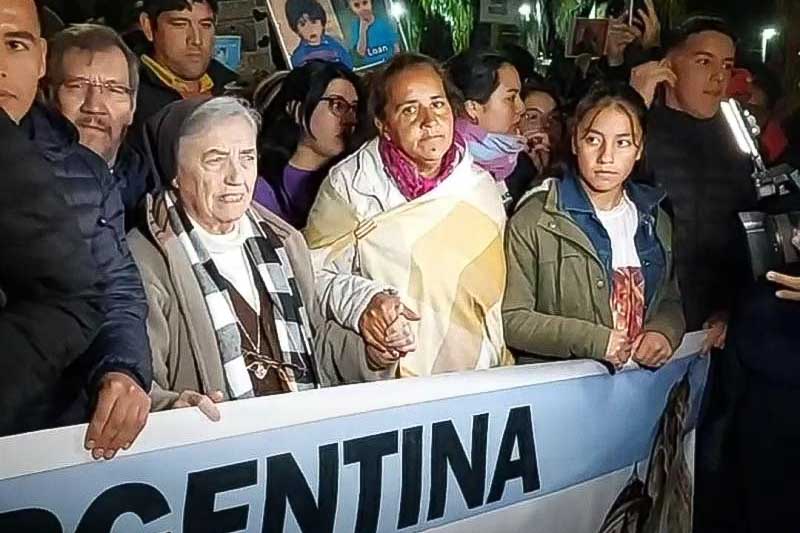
(308, 126)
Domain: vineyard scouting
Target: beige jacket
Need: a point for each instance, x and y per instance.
(185, 353)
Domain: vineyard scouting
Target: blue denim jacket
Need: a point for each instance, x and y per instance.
(575, 202)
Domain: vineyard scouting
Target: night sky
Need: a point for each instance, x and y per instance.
(749, 17)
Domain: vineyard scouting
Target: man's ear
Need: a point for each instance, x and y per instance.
(43, 64)
(574, 143)
(147, 26)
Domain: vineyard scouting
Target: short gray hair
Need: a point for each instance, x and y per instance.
(215, 111)
(92, 38)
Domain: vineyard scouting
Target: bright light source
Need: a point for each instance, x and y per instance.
(767, 34)
(525, 11)
(728, 110)
(398, 10)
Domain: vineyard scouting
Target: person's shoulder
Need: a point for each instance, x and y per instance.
(532, 204)
(343, 174)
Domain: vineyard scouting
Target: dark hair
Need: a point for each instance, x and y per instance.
(605, 94)
(90, 37)
(695, 25)
(522, 60)
(380, 81)
(154, 8)
(305, 85)
(295, 9)
(475, 73)
(538, 84)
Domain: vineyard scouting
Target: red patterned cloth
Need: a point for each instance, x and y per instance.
(405, 174)
(627, 301)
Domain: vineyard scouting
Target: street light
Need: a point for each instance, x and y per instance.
(397, 10)
(766, 36)
(525, 11)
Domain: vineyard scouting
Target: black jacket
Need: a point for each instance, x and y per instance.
(94, 193)
(154, 95)
(708, 182)
(50, 308)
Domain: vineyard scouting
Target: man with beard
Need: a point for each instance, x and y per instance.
(49, 309)
(91, 82)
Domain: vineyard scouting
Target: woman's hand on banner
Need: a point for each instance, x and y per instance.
(206, 404)
(652, 349)
(618, 350)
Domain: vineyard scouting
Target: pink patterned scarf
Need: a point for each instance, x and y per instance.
(405, 174)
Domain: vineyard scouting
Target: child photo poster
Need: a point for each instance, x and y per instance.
(371, 33)
(308, 29)
(358, 33)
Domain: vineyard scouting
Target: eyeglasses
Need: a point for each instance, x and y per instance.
(80, 87)
(340, 107)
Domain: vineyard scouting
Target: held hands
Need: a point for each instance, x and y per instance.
(386, 329)
(119, 417)
(647, 77)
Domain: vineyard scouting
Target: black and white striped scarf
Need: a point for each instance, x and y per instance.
(275, 270)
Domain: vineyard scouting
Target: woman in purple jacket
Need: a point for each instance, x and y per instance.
(309, 125)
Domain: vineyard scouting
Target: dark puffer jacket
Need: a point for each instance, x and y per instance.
(49, 306)
(93, 192)
(707, 181)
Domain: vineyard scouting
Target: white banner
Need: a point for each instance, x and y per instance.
(557, 447)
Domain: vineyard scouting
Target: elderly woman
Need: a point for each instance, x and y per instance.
(230, 286)
(407, 238)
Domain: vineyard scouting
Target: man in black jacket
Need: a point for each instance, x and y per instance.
(92, 79)
(182, 33)
(692, 154)
(50, 310)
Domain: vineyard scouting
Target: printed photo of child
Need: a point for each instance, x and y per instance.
(373, 38)
(309, 20)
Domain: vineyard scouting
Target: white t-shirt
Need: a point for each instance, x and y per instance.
(230, 258)
(621, 224)
(627, 291)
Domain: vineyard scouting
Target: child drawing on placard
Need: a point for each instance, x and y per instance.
(308, 19)
(373, 39)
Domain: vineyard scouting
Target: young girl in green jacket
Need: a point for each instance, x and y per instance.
(590, 266)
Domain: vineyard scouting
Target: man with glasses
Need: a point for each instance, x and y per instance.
(91, 84)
